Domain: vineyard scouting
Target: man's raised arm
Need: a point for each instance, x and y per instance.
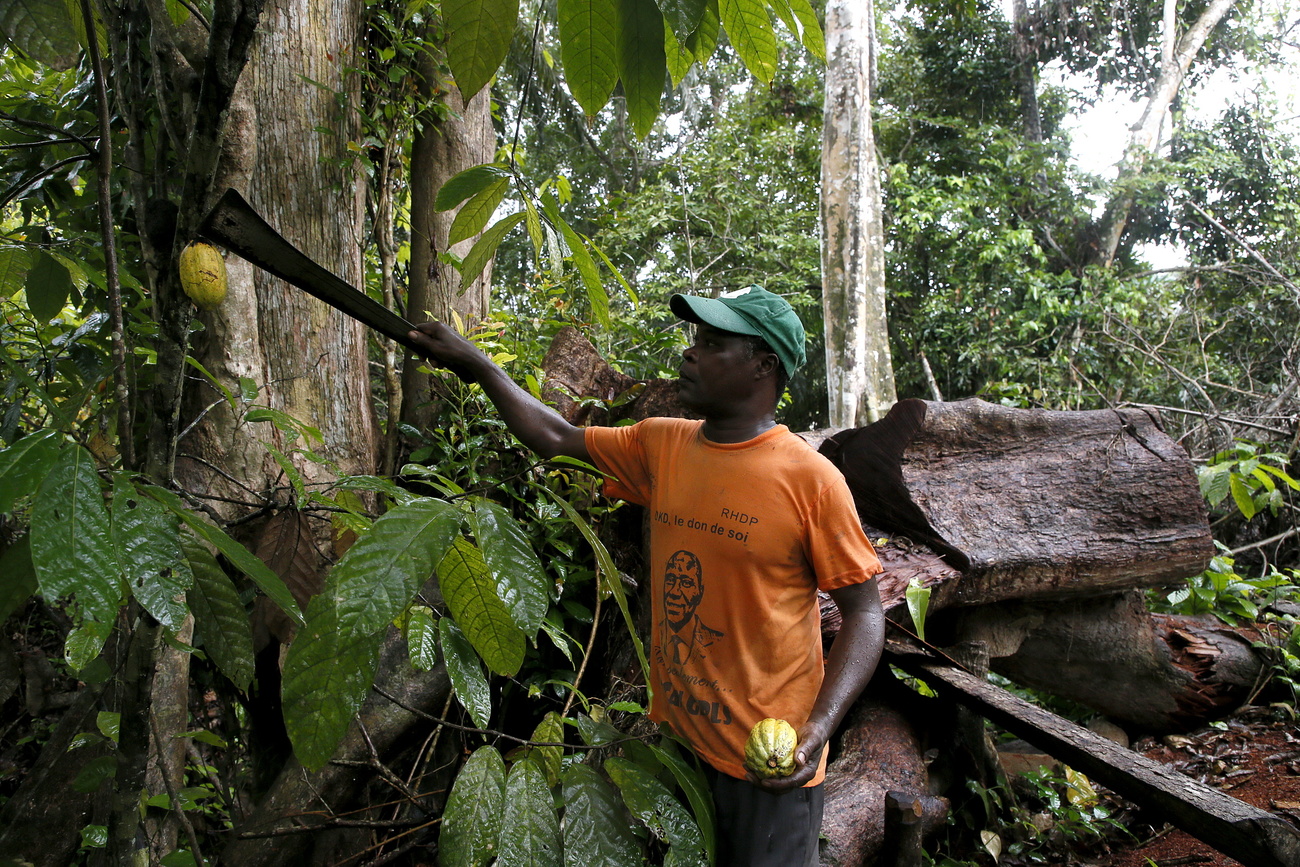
(536, 425)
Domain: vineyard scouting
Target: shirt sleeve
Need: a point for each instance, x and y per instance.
(837, 547)
(621, 452)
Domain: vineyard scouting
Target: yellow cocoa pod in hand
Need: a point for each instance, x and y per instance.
(203, 275)
(769, 752)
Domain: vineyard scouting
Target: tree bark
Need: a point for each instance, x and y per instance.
(1030, 504)
(450, 136)
(1161, 673)
(859, 369)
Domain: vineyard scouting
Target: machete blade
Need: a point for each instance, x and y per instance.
(236, 226)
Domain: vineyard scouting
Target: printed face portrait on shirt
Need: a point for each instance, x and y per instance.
(683, 588)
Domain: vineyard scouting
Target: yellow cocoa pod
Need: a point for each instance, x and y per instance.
(203, 275)
(769, 752)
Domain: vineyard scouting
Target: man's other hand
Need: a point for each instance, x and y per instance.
(807, 756)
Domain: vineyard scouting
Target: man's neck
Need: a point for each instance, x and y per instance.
(737, 430)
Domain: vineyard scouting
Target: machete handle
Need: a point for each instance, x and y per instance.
(235, 224)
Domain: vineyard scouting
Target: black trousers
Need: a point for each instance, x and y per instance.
(758, 828)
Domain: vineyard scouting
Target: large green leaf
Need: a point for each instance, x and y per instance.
(530, 830)
(471, 821)
(596, 834)
(379, 576)
(421, 630)
(72, 546)
(521, 581)
(25, 464)
(48, 286)
(704, 40)
(652, 803)
(147, 538)
(478, 36)
(219, 617)
(471, 596)
(596, 293)
(642, 64)
(465, 672)
(683, 16)
(41, 29)
(549, 758)
(589, 39)
(327, 674)
(485, 248)
(750, 30)
(692, 782)
(243, 559)
(467, 184)
(17, 576)
(14, 264)
(480, 207)
(810, 29)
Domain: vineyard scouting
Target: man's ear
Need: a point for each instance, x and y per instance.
(767, 365)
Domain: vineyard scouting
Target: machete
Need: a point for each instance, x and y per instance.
(236, 226)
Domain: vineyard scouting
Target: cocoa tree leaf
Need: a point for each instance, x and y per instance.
(596, 293)
(1242, 497)
(471, 821)
(25, 464)
(549, 731)
(421, 631)
(467, 184)
(530, 829)
(642, 62)
(521, 581)
(327, 673)
(285, 544)
(471, 596)
(14, 264)
(596, 834)
(242, 559)
(696, 787)
(704, 41)
(146, 535)
(48, 286)
(750, 30)
(478, 36)
(381, 573)
(589, 39)
(465, 673)
(17, 576)
(474, 216)
(677, 57)
(656, 808)
(219, 616)
(72, 548)
(810, 29)
(485, 248)
(683, 16)
(43, 30)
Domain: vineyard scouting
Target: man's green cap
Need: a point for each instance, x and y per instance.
(753, 311)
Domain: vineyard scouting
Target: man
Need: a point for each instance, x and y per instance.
(741, 500)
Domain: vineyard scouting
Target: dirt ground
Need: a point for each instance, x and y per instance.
(1256, 758)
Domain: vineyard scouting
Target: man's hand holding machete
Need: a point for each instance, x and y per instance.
(537, 426)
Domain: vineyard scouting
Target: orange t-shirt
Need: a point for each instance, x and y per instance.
(742, 536)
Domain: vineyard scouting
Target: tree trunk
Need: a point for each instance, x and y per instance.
(859, 370)
(1029, 504)
(1176, 59)
(1162, 673)
(449, 138)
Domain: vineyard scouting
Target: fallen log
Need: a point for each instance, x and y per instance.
(1235, 828)
(1029, 504)
(1163, 673)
